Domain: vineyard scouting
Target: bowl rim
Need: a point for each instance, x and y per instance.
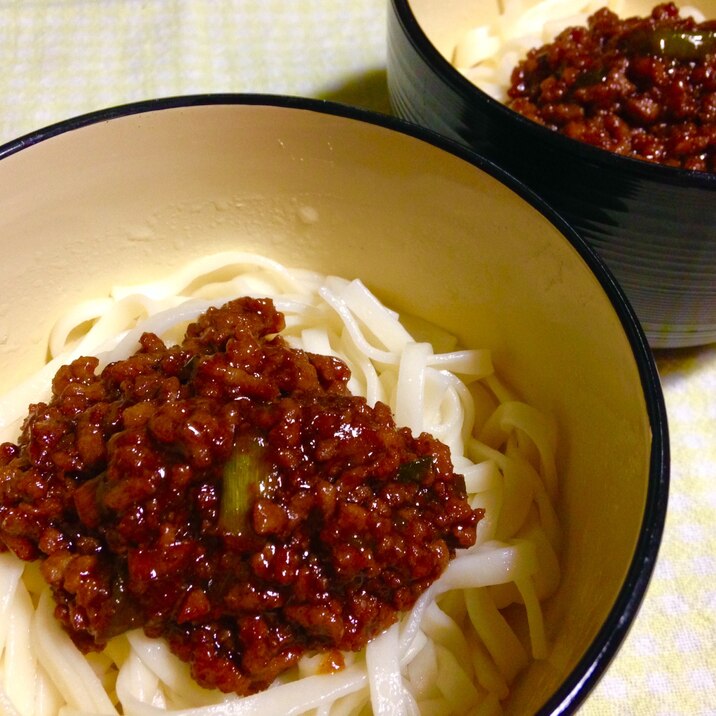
(470, 93)
(611, 635)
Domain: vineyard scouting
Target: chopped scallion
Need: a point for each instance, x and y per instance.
(415, 470)
(243, 475)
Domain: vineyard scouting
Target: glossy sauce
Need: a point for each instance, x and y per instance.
(229, 495)
(639, 87)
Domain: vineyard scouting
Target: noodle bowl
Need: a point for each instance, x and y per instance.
(434, 232)
(468, 636)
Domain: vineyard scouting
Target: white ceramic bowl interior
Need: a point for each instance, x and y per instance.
(120, 199)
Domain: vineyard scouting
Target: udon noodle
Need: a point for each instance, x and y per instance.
(466, 639)
(486, 54)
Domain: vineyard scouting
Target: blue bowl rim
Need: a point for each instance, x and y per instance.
(610, 637)
(471, 95)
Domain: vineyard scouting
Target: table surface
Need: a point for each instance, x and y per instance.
(61, 58)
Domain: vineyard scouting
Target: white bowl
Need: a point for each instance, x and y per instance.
(124, 195)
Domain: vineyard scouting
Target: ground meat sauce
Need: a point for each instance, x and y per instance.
(120, 485)
(641, 87)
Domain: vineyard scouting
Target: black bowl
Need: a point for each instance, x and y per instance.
(654, 225)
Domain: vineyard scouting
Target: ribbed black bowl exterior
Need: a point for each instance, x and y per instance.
(655, 226)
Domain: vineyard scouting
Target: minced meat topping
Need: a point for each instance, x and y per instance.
(643, 87)
(229, 495)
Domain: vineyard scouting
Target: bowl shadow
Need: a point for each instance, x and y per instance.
(368, 90)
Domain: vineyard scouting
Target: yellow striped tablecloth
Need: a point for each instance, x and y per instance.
(60, 58)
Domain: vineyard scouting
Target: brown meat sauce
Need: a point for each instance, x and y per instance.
(116, 486)
(639, 87)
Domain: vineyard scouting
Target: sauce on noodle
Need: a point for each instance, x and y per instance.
(230, 495)
(639, 87)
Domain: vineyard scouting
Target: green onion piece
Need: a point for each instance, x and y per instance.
(591, 77)
(242, 480)
(669, 43)
(415, 470)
